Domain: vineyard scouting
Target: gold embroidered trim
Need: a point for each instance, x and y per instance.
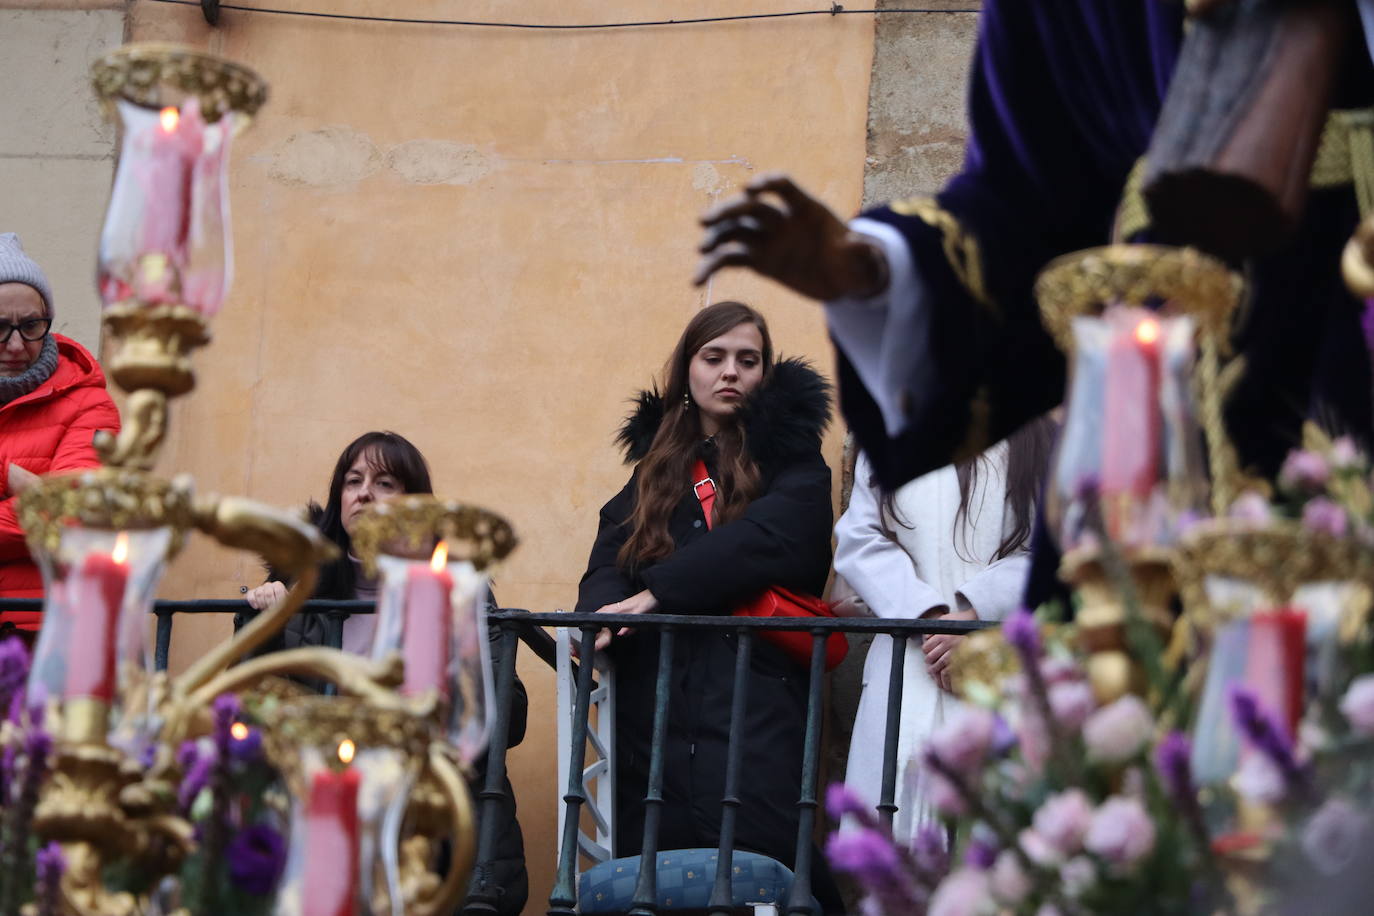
(961, 247)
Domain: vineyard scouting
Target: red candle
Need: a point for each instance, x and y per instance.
(427, 626)
(330, 885)
(95, 594)
(169, 152)
(1276, 662)
(1131, 424)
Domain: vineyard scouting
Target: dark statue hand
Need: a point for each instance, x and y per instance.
(778, 230)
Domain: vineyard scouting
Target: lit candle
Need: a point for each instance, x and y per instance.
(95, 594)
(169, 151)
(1131, 425)
(428, 625)
(330, 885)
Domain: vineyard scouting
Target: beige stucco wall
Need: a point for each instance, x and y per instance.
(56, 152)
(482, 239)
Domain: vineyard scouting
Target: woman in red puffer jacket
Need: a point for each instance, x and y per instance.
(52, 402)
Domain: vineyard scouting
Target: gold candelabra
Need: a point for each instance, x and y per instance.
(102, 804)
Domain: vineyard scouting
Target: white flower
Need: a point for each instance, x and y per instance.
(1258, 779)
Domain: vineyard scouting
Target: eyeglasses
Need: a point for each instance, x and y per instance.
(32, 329)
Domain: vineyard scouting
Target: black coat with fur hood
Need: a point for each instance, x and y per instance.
(783, 538)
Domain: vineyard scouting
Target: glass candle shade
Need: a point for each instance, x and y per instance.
(347, 809)
(433, 612)
(90, 666)
(1130, 462)
(166, 238)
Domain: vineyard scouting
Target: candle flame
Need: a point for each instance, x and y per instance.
(239, 731)
(440, 557)
(120, 554)
(1147, 332)
(346, 750)
(170, 118)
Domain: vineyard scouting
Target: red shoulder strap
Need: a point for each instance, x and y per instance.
(705, 489)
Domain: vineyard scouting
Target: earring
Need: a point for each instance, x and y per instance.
(686, 399)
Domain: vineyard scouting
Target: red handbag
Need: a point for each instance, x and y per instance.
(776, 601)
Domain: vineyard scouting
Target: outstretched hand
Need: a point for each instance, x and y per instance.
(778, 230)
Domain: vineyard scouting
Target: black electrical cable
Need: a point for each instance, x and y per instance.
(835, 10)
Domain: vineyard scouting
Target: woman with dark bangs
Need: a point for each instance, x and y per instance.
(756, 423)
(375, 467)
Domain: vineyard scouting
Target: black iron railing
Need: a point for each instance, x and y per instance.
(523, 626)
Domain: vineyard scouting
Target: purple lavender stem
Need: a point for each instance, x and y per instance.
(49, 863)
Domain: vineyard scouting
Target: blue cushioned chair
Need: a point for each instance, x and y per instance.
(685, 878)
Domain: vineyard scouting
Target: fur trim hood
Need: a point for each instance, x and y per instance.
(783, 419)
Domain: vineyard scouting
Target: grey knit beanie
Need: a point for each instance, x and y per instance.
(17, 267)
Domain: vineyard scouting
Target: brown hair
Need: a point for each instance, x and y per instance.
(666, 470)
(1028, 458)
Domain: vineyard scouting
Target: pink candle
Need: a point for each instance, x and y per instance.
(1131, 424)
(428, 626)
(95, 593)
(1276, 662)
(330, 885)
(169, 150)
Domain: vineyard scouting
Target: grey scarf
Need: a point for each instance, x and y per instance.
(26, 381)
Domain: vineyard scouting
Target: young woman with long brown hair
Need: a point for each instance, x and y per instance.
(757, 424)
(952, 543)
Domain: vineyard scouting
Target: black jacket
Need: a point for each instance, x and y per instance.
(782, 539)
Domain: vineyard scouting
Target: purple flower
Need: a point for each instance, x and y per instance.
(1325, 517)
(1116, 732)
(1003, 737)
(197, 761)
(1121, 833)
(1265, 733)
(1086, 488)
(1333, 837)
(980, 855)
(929, 852)
(1021, 632)
(1173, 760)
(1367, 323)
(876, 864)
(1304, 471)
(226, 710)
(256, 856)
(1358, 704)
(14, 669)
(248, 749)
(840, 800)
(49, 863)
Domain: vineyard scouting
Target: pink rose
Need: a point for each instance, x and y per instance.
(963, 743)
(1258, 779)
(945, 797)
(1072, 702)
(1358, 704)
(1037, 848)
(1304, 470)
(1010, 883)
(1122, 832)
(1048, 909)
(1252, 508)
(1116, 732)
(964, 892)
(1078, 875)
(1325, 516)
(1063, 820)
(1345, 454)
(1058, 670)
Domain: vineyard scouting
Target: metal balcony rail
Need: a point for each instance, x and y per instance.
(518, 625)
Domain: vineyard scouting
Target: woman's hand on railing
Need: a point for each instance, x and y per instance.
(642, 603)
(265, 595)
(939, 650)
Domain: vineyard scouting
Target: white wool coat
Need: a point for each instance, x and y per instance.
(931, 566)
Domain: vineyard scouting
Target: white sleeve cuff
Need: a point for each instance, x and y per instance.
(886, 336)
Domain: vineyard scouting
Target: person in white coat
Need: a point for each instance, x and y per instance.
(949, 544)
